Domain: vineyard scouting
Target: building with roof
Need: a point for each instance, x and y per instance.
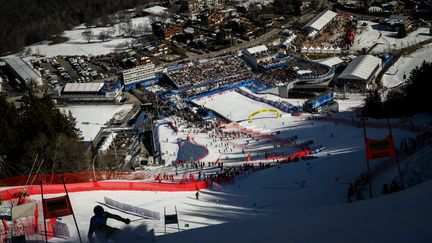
(395, 22)
(156, 10)
(332, 61)
(262, 60)
(166, 31)
(88, 93)
(361, 71)
(22, 71)
(318, 23)
(144, 75)
(198, 5)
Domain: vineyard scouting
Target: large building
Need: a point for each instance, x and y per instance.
(361, 71)
(395, 22)
(143, 75)
(318, 23)
(198, 5)
(22, 71)
(262, 60)
(88, 93)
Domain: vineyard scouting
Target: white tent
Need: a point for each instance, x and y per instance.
(311, 49)
(361, 68)
(325, 50)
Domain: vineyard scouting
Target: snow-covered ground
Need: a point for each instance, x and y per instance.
(78, 45)
(232, 105)
(309, 188)
(395, 75)
(90, 118)
(168, 140)
(303, 201)
(369, 35)
(400, 217)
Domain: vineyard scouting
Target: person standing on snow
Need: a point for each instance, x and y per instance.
(100, 228)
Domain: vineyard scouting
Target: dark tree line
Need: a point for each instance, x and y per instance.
(38, 132)
(410, 99)
(24, 22)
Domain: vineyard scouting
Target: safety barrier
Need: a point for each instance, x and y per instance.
(32, 231)
(11, 193)
(76, 177)
(282, 105)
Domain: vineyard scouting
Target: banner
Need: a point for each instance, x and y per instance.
(61, 230)
(376, 149)
(171, 219)
(126, 207)
(56, 207)
(248, 158)
(24, 210)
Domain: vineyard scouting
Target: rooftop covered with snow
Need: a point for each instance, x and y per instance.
(82, 87)
(331, 61)
(23, 70)
(322, 19)
(257, 49)
(156, 10)
(361, 68)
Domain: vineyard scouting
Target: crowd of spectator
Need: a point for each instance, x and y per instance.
(219, 69)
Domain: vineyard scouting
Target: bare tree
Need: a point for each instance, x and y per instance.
(104, 35)
(88, 35)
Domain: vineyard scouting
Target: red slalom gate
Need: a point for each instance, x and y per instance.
(11, 193)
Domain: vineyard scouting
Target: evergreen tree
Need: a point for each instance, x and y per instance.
(39, 132)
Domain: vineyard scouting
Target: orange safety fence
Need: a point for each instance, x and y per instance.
(76, 177)
(11, 193)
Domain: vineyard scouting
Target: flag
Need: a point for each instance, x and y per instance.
(36, 219)
(376, 149)
(24, 210)
(171, 219)
(57, 207)
(5, 225)
(248, 158)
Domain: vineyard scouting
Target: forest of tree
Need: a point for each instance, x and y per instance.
(38, 133)
(405, 101)
(24, 22)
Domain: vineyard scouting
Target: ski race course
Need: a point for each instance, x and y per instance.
(289, 196)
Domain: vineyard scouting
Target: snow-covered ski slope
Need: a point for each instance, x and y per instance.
(403, 67)
(303, 201)
(232, 105)
(400, 217)
(90, 118)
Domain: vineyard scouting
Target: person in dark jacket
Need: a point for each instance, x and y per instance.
(100, 228)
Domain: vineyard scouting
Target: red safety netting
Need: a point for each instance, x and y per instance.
(27, 227)
(77, 177)
(11, 193)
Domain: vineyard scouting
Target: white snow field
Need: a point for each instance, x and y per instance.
(303, 201)
(395, 76)
(232, 105)
(368, 36)
(77, 44)
(90, 118)
(400, 217)
(168, 141)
